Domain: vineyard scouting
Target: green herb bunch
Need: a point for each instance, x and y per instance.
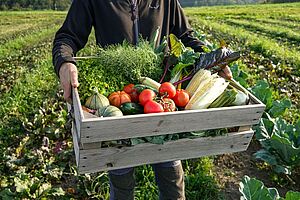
(116, 66)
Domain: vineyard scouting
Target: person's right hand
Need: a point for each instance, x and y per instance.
(68, 79)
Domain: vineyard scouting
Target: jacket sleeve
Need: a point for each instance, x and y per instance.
(181, 28)
(73, 34)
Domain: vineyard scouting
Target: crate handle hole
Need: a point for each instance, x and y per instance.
(84, 157)
(87, 136)
(231, 146)
(245, 143)
(83, 166)
(109, 165)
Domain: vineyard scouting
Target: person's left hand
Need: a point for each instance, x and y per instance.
(225, 73)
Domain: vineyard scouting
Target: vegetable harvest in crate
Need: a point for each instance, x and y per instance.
(127, 80)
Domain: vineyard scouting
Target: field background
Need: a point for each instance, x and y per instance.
(36, 152)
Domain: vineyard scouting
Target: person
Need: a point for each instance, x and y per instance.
(115, 21)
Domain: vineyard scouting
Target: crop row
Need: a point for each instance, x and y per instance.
(260, 44)
(21, 55)
(268, 21)
(289, 36)
(287, 12)
(23, 30)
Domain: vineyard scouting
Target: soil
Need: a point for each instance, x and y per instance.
(231, 168)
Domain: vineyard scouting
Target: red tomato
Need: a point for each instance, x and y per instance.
(119, 97)
(153, 107)
(181, 98)
(134, 95)
(167, 89)
(168, 104)
(146, 95)
(128, 88)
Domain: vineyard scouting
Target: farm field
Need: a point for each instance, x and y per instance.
(36, 150)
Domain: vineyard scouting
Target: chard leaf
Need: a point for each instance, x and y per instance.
(279, 107)
(178, 69)
(252, 188)
(263, 92)
(175, 77)
(188, 56)
(176, 46)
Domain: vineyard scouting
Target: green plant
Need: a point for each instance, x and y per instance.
(253, 189)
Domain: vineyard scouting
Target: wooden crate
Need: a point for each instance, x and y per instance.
(89, 131)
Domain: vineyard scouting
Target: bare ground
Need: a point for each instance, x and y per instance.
(231, 168)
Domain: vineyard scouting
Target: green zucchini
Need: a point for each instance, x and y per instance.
(130, 108)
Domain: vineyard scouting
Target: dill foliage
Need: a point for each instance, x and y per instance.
(117, 65)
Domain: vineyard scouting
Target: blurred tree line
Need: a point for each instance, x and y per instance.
(185, 3)
(64, 4)
(34, 4)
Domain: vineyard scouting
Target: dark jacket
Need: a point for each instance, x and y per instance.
(112, 21)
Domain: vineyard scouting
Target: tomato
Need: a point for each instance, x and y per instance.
(134, 95)
(167, 89)
(168, 104)
(119, 97)
(153, 107)
(181, 98)
(146, 95)
(128, 88)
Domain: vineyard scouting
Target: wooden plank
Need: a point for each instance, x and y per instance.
(75, 143)
(112, 128)
(94, 160)
(78, 112)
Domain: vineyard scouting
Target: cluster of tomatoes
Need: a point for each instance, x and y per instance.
(166, 99)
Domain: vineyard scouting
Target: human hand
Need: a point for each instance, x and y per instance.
(225, 73)
(68, 79)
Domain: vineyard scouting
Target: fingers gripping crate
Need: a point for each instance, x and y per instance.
(89, 131)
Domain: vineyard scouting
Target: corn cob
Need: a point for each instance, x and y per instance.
(149, 82)
(201, 78)
(204, 96)
(225, 99)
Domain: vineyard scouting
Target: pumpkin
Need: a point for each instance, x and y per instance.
(96, 101)
(119, 97)
(109, 111)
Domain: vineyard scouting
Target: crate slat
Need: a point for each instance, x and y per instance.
(93, 160)
(76, 143)
(112, 128)
(78, 112)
